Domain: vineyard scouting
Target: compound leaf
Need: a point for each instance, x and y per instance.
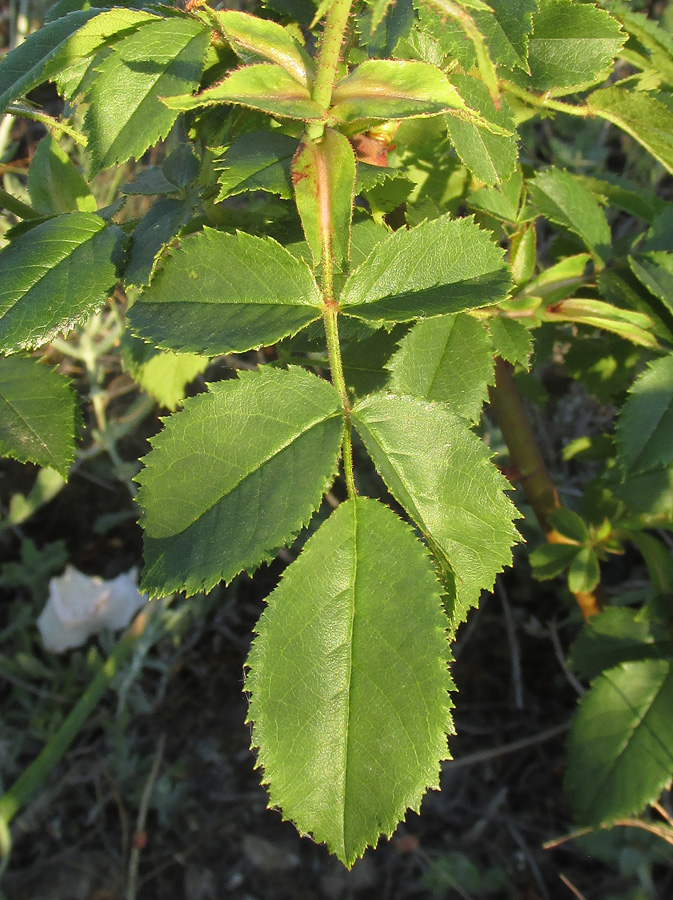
(442, 266)
(258, 161)
(573, 45)
(564, 200)
(125, 116)
(441, 474)
(645, 426)
(223, 293)
(38, 414)
(53, 276)
(393, 89)
(236, 475)
(349, 680)
(621, 744)
(447, 358)
(491, 157)
(644, 117)
(56, 46)
(270, 88)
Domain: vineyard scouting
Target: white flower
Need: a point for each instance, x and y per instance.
(79, 606)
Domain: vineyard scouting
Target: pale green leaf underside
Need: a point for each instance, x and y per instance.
(349, 681)
(645, 426)
(126, 116)
(447, 358)
(644, 117)
(393, 89)
(441, 474)
(53, 276)
(260, 86)
(572, 46)
(621, 744)
(567, 202)
(235, 476)
(442, 266)
(37, 414)
(223, 293)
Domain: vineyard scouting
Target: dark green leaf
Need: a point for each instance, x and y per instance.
(564, 200)
(641, 115)
(443, 266)
(549, 560)
(356, 664)
(511, 340)
(210, 487)
(621, 744)
(154, 231)
(491, 157)
(54, 276)
(256, 294)
(38, 414)
(645, 425)
(655, 271)
(258, 161)
(125, 115)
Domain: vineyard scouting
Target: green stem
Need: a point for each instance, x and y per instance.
(33, 777)
(328, 59)
(543, 102)
(27, 112)
(339, 382)
(17, 207)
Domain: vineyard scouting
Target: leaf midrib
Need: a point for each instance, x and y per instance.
(270, 456)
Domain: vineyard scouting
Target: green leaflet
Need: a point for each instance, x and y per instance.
(441, 474)
(38, 414)
(645, 425)
(573, 45)
(209, 491)
(163, 374)
(564, 200)
(393, 89)
(54, 183)
(154, 231)
(503, 201)
(258, 161)
(644, 117)
(348, 680)
(57, 45)
(126, 116)
(323, 175)
(255, 38)
(443, 266)
(53, 276)
(267, 87)
(448, 358)
(491, 157)
(655, 271)
(621, 744)
(257, 294)
(511, 340)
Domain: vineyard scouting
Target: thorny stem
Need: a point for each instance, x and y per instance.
(326, 69)
(328, 59)
(530, 467)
